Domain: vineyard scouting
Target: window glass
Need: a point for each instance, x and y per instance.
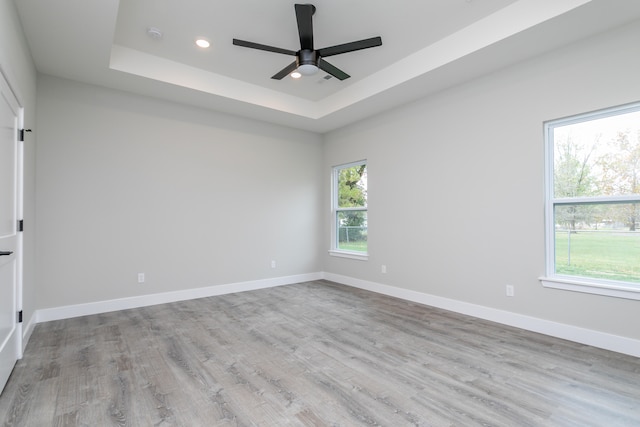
(352, 186)
(599, 157)
(594, 241)
(352, 231)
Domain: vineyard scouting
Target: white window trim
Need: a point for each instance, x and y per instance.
(580, 284)
(571, 283)
(341, 253)
(348, 254)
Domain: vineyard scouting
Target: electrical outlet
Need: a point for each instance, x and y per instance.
(510, 290)
(273, 263)
(140, 277)
(384, 269)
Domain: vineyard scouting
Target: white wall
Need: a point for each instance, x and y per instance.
(17, 65)
(456, 191)
(192, 198)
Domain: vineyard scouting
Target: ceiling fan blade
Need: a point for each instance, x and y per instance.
(285, 71)
(304, 14)
(333, 70)
(259, 46)
(350, 47)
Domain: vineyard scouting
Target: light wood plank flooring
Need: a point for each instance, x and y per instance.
(312, 354)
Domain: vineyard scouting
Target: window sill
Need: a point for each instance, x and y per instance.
(598, 288)
(351, 255)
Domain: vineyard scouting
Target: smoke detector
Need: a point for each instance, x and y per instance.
(154, 33)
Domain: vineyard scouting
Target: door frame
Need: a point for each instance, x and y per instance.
(6, 83)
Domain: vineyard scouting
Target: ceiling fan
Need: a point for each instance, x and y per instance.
(309, 60)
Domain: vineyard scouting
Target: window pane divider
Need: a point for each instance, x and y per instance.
(596, 199)
(351, 209)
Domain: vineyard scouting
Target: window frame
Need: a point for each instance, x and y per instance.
(552, 279)
(335, 210)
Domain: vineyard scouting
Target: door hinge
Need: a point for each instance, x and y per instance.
(20, 316)
(21, 134)
(21, 225)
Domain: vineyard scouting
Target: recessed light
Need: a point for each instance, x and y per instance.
(203, 43)
(296, 75)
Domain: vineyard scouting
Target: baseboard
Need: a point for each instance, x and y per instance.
(77, 310)
(559, 330)
(27, 330)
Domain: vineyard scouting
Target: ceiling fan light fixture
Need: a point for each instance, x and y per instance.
(307, 69)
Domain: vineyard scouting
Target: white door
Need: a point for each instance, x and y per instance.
(10, 242)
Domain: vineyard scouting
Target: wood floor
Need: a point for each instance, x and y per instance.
(312, 354)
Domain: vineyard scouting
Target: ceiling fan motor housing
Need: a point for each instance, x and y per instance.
(307, 61)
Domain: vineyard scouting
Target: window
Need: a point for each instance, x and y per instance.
(593, 202)
(349, 230)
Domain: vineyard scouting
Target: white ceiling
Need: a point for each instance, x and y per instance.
(428, 45)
